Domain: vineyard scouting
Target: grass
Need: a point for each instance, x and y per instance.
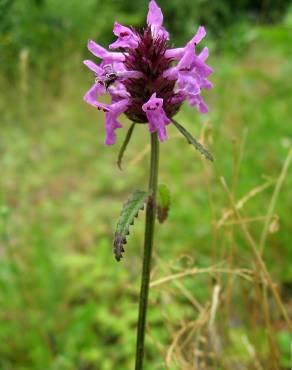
(65, 303)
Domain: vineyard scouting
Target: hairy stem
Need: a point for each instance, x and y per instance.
(148, 244)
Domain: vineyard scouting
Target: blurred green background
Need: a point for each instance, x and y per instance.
(65, 304)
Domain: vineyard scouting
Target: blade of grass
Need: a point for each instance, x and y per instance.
(259, 261)
(274, 198)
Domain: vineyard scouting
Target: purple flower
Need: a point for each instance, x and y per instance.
(146, 80)
(126, 37)
(155, 20)
(111, 123)
(156, 116)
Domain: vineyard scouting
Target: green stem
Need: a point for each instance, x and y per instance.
(148, 244)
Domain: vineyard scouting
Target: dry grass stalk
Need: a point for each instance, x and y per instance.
(244, 273)
(259, 261)
(274, 198)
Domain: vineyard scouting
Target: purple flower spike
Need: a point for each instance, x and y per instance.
(156, 116)
(147, 81)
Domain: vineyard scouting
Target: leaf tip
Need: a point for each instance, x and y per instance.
(119, 247)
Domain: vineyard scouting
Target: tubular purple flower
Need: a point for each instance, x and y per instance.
(93, 67)
(198, 102)
(190, 73)
(102, 53)
(111, 122)
(190, 61)
(156, 116)
(118, 92)
(146, 80)
(204, 54)
(126, 37)
(179, 52)
(155, 20)
(201, 33)
(91, 96)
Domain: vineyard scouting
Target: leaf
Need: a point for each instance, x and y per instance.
(193, 141)
(127, 217)
(124, 146)
(163, 202)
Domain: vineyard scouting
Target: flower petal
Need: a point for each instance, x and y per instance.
(174, 53)
(118, 92)
(205, 84)
(120, 106)
(96, 49)
(93, 67)
(155, 20)
(204, 54)
(201, 33)
(178, 53)
(155, 16)
(111, 122)
(92, 94)
(191, 61)
(199, 103)
(102, 53)
(156, 116)
(126, 37)
(189, 83)
(171, 73)
(130, 74)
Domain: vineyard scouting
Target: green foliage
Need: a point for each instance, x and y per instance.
(127, 217)
(285, 339)
(191, 140)
(49, 31)
(163, 202)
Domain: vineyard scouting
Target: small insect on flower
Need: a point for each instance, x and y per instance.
(147, 80)
(110, 76)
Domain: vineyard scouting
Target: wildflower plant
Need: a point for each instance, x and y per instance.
(148, 82)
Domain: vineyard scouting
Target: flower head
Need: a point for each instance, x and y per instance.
(146, 80)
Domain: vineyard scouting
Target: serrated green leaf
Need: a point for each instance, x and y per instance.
(124, 145)
(193, 141)
(127, 217)
(163, 202)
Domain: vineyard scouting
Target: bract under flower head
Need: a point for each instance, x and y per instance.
(146, 80)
